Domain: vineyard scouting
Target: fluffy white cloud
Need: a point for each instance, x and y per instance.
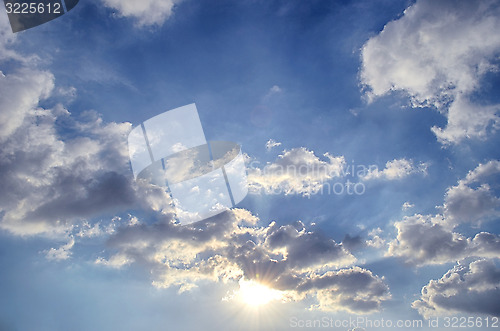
(296, 171)
(51, 183)
(395, 169)
(374, 238)
(470, 288)
(231, 247)
(146, 12)
(437, 52)
(465, 203)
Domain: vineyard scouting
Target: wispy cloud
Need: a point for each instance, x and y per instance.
(61, 253)
(271, 143)
(395, 170)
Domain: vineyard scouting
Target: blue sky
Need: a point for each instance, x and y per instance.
(408, 89)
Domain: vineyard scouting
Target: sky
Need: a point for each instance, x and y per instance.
(370, 135)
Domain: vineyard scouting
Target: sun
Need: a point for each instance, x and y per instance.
(256, 294)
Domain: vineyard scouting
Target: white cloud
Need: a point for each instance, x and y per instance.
(355, 290)
(21, 92)
(296, 171)
(437, 52)
(61, 253)
(465, 203)
(49, 184)
(7, 40)
(471, 288)
(407, 205)
(482, 172)
(54, 186)
(374, 238)
(298, 262)
(146, 12)
(116, 261)
(273, 91)
(428, 239)
(271, 143)
(395, 170)
(425, 240)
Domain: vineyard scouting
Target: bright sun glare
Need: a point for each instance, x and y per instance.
(256, 294)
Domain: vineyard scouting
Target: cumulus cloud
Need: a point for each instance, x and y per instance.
(58, 170)
(296, 171)
(48, 184)
(472, 288)
(231, 246)
(429, 240)
(374, 238)
(465, 203)
(432, 239)
(437, 52)
(395, 170)
(145, 12)
(355, 290)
